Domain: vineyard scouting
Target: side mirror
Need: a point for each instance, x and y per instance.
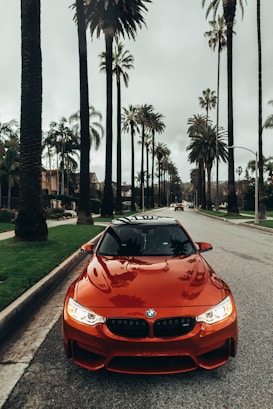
(202, 246)
(88, 248)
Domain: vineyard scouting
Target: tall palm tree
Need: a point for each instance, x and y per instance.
(147, 146)
(113, 17)
(229, 9)
(84, 207)
(144, 118)
(196, 124)
(207, 101)
(161, 152)
(217, 39)
(31, 224)
(122, 62)
(130, 124)
(203, 149)
(157, 125)
(262, 208)
(174, 179)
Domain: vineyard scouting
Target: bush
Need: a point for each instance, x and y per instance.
(95, 206)
(7, 216)
(54, 214)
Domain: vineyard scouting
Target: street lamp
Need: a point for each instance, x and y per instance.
(256, 221)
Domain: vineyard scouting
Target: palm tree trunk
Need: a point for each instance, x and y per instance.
(118, 198)
(142, 170)
(217, 129)
(31, 224)
(133, 201)
(153, 160)
(209, 206)
(84, 206)
(262, 207)
(147, 177)
(107, 200)
(159, 182)
(229, 13)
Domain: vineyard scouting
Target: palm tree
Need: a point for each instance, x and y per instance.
(84, 207)
(203, 149)
(7, 130)
(269, 168)
(96, 130)
(113, 17)
(9, 162)
(229, 9)
(130, 124)
(122, 61)
(9, 170)
(157, 125)
(161, 152)
(147, 145)
(217, 39)
(196, 124)
(208, 100)
(31, 221)
(174, 179)
(144, 118)
(262, 208)
(61, 137)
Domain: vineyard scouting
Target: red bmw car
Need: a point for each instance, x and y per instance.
(147, 302)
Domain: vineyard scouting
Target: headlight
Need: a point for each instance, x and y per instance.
(82, 314)
(217, 313)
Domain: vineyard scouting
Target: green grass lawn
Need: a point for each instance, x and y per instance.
(25, 263)
(245, 215)
(6, 227)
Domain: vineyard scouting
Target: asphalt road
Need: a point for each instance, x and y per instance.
(243, 258)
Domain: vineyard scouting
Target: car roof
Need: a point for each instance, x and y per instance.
(144, 220)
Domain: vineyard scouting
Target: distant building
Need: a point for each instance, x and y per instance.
(49, 181)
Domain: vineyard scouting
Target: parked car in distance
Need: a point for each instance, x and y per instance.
(191, 205)
(179, 206)
(147, 302)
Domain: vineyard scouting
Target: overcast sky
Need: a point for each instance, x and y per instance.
(173, 65)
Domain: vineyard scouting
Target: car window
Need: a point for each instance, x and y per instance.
(128, 240)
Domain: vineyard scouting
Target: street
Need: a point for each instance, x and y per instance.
(243, 257)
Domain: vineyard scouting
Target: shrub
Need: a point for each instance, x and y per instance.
(95, 206)
(7, 215)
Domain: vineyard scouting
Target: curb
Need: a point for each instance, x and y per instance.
(15, 312)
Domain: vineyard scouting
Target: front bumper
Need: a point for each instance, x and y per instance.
(206, 346)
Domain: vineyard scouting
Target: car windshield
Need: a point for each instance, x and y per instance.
(143, 240)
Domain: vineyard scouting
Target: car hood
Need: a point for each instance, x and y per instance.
(144, 282)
